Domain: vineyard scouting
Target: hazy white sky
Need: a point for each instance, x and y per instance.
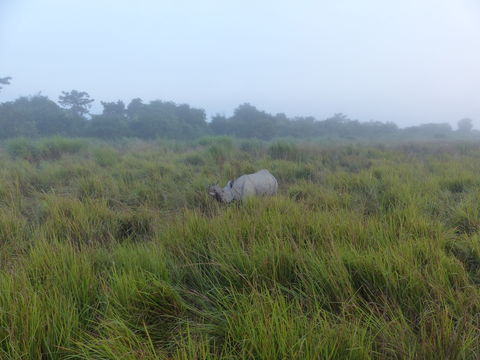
(408, 61)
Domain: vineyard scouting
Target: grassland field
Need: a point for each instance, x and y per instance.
(114, 250)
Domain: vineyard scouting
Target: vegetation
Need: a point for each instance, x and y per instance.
(5, 81)
(39, 116)
(114, 251)
(78, 102)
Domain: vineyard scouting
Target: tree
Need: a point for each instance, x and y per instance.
(48, 117)
(17, 118)
(165, 119)
(220, 125)
(427, 131)
(247, 121)
(135, 109)
(5, 81)
(36, 115)
(77, 101)
(112, 123)
(114, 108)
(465, 125)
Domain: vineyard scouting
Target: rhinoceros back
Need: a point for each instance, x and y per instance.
(260, 183)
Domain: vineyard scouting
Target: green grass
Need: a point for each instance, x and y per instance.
(115, 251)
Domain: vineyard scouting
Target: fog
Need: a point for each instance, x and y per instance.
(408, 61)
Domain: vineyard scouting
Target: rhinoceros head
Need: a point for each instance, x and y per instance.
(217, 192)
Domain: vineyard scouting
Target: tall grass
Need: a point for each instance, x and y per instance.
(115, 251)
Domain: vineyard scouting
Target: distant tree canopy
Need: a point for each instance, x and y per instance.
(77, 101)
(248, 122)
(465, 125)
(35, 116)
(40, 116)
(114, 108)
(5, 81)
(149, 121)
(166, 120)
(436, 131)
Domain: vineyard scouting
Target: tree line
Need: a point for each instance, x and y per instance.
(70, 116)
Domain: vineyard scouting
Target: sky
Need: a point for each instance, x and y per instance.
(409, 61)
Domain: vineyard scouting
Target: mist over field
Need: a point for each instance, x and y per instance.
(406, 62)
(239, 180)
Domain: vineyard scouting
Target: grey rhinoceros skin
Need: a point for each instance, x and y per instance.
(261, 183)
